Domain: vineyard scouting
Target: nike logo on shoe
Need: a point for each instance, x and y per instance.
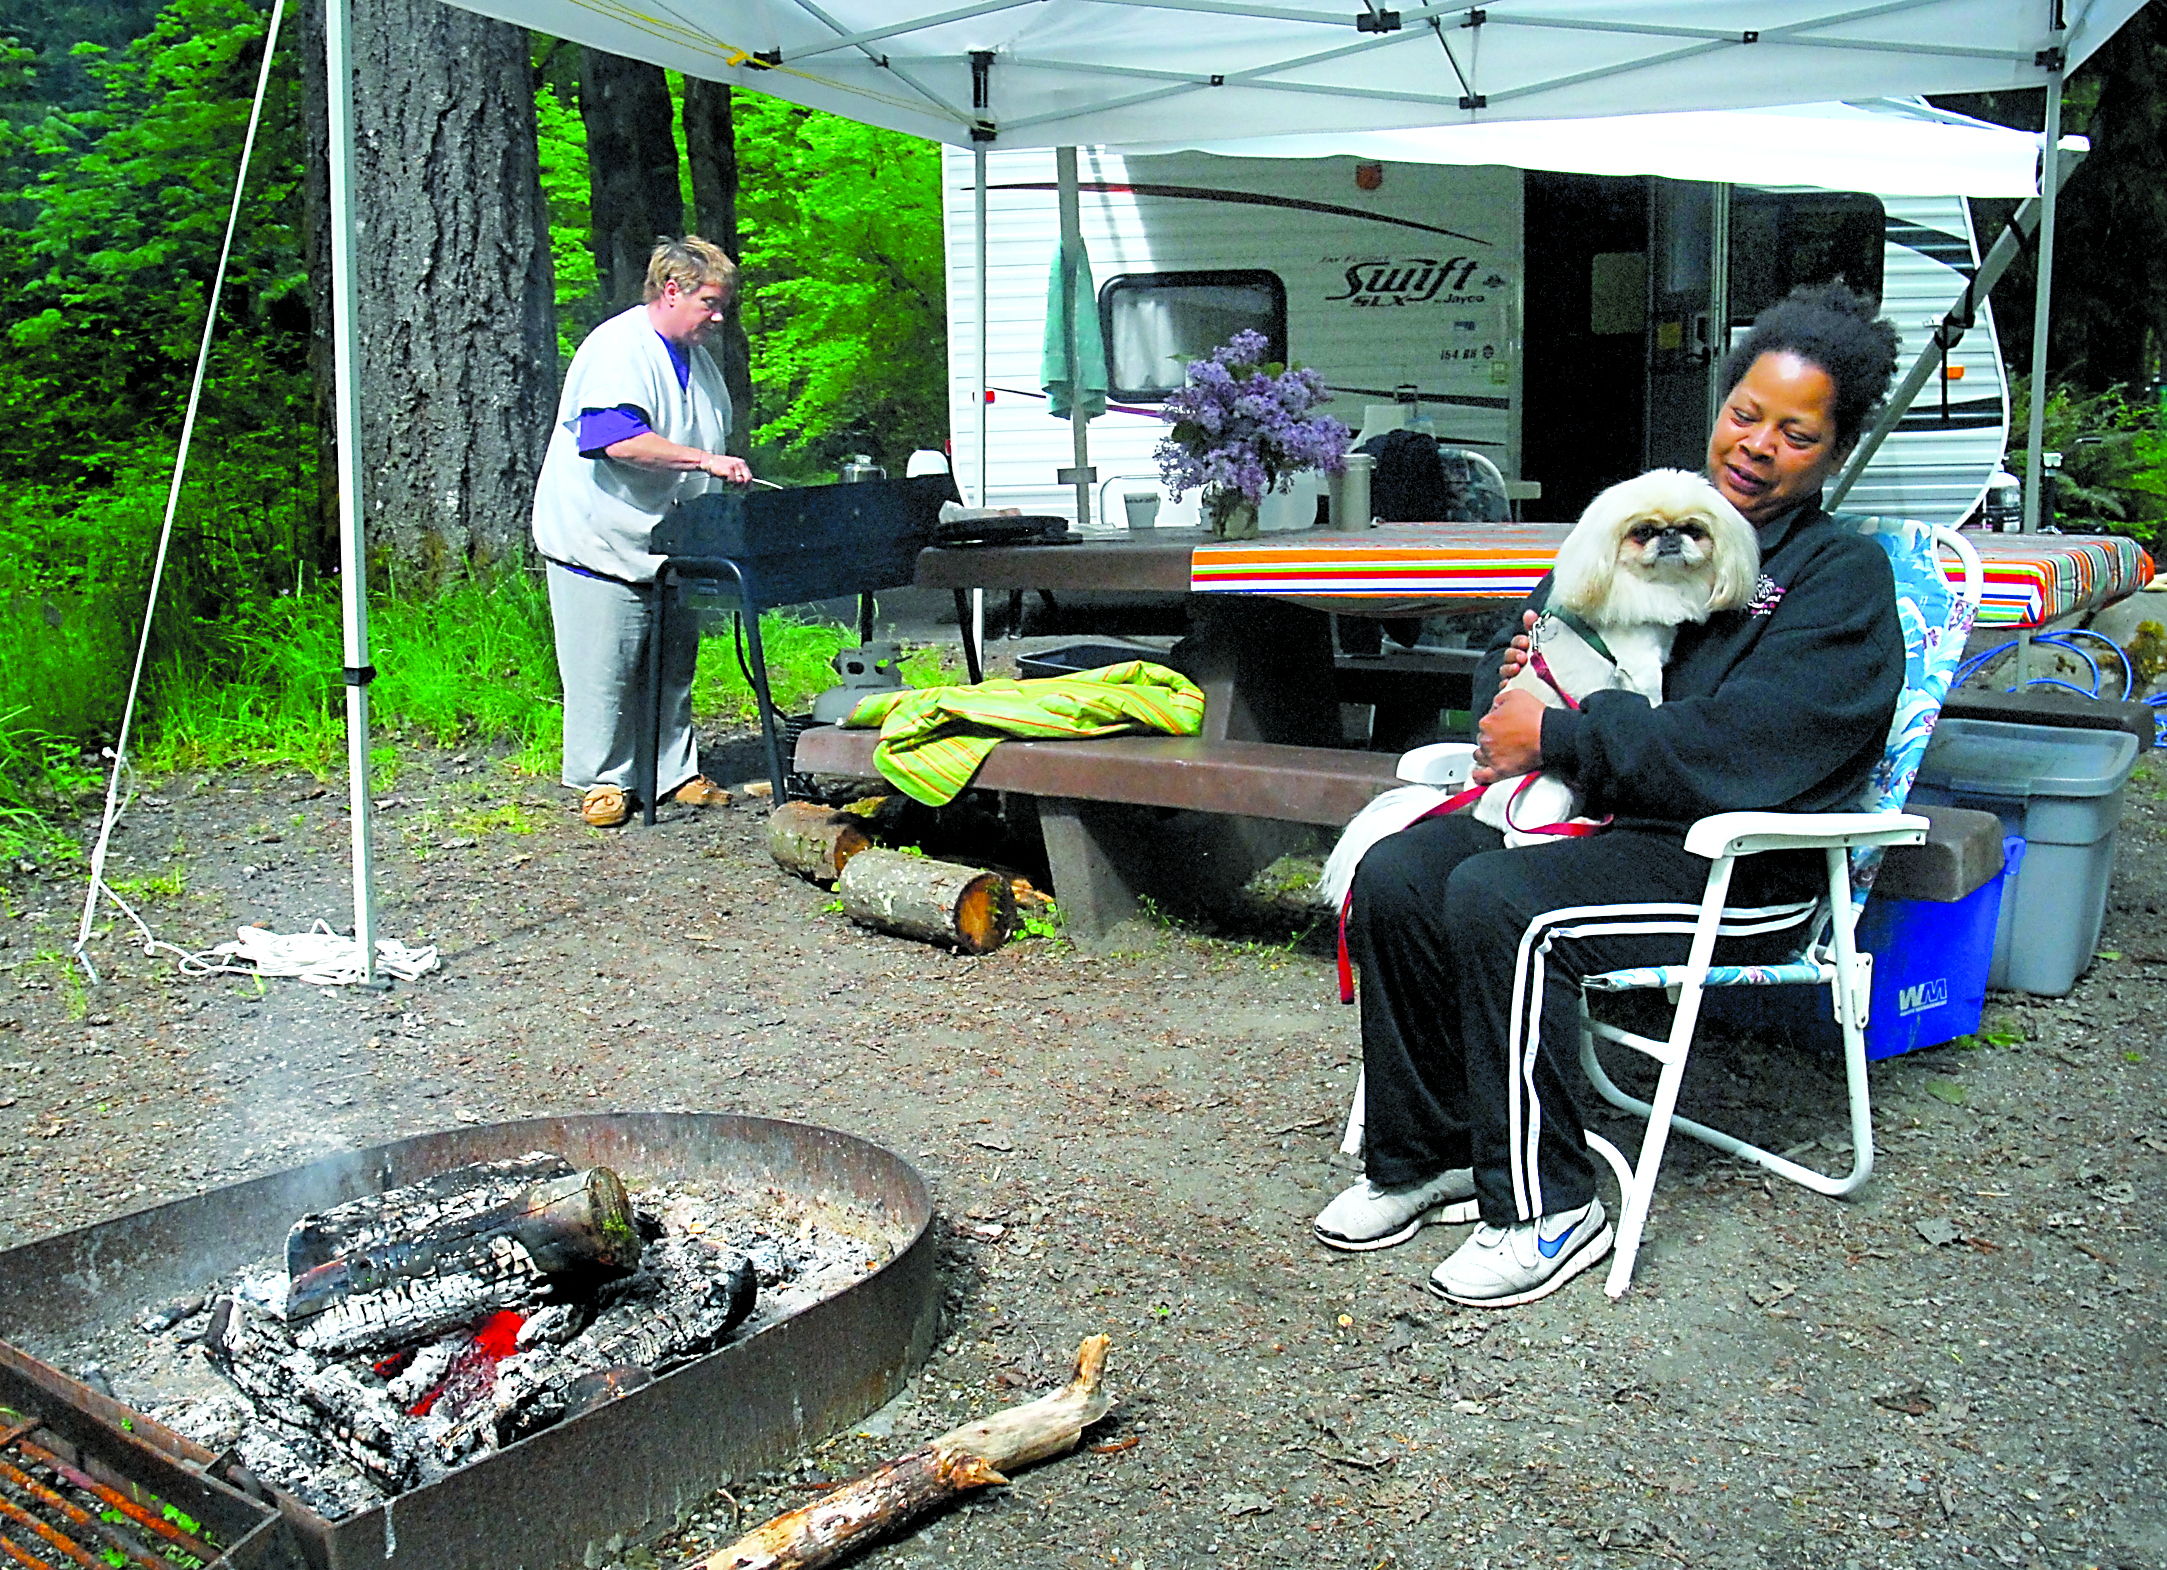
(1549, 1246)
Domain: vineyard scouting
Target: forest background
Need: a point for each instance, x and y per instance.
(494, 242)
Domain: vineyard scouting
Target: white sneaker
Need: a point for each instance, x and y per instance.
(1367, 1216)
(1498, 1267)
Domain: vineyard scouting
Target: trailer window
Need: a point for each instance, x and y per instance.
(1780, 240)
(1156, 323)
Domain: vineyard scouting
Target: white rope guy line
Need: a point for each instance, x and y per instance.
(113, 802)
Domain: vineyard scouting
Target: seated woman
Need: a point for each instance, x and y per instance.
(1470, 956)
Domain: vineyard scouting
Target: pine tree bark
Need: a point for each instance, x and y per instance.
(711, 156)
(633, 194)
(457, 316)
(321, 548)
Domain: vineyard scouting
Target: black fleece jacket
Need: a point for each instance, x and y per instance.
(1782, 706)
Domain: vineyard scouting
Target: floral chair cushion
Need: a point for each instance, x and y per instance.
(1936, 621)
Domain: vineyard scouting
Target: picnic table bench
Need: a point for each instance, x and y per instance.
(1101, 854)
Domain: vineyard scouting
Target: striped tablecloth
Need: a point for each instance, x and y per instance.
(1410, 569)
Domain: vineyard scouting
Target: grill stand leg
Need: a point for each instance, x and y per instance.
(757, 659)
(973, 656)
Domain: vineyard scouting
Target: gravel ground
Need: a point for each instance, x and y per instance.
(1962, 1365)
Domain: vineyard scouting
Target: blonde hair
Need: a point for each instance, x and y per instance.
(689, 263)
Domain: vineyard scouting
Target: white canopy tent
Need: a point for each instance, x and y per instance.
(1068, 72)
(1059, 73)
(1893, 147)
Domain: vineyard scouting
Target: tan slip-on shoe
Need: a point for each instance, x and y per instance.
(605, 806)
(700, 791)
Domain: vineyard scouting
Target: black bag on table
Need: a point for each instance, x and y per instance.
(1419, 479)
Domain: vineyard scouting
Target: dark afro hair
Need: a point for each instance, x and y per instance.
(1836, 328)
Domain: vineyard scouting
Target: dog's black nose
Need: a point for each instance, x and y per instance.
(1670, 542)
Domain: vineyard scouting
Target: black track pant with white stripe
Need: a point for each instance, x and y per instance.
(1470, 958)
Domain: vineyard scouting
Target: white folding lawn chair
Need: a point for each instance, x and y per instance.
(1936, 622)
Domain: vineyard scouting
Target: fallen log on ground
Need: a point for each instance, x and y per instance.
(897, 1491)
(813, 841)
(933, 901)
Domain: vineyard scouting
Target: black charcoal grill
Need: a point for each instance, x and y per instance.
(785, 547)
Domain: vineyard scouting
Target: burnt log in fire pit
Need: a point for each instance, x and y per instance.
(628, 1463)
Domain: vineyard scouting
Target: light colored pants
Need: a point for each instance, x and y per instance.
(602, 629)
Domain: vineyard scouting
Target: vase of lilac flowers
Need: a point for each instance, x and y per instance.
(1242, 428)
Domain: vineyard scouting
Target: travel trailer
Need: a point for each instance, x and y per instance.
(1559, 324)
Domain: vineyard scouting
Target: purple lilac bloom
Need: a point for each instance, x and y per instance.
(1238, 428)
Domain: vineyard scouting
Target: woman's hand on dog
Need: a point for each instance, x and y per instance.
(1516, 653)
(1510, 737)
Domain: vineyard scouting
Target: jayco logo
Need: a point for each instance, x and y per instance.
(1410, 280)
(1926, 995)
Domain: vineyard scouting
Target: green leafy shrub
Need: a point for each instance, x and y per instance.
(2114, 458)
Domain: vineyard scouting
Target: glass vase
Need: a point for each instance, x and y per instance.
(1232, 515)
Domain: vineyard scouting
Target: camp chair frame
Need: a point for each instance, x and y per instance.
(1935, 626)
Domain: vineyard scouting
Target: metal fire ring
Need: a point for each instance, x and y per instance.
(628, 1467)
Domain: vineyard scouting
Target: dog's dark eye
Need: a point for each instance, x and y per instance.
(1693, 531)
(1642, 533)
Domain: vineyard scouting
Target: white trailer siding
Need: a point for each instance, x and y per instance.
(1931, 468)
(1304, 220)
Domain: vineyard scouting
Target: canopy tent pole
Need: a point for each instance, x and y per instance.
(353, 566)
(1079, 423)
(1960, 319)
(2049, 184)
(985, 394)
(1719, 294)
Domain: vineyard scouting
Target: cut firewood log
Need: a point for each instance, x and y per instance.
(299, 1394)
(375, 1220)
(897, 1491)
(704, 1293)
(933, 901)
(813, 841)
(454, 1271)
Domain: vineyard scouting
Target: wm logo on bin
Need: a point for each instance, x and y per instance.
(1926, 995)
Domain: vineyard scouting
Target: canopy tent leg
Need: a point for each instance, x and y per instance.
(1719, 295)
(2049, 184)
(975, 633)
(1079, 424)
(353, 565)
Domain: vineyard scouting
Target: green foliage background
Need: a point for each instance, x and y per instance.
(119, 124)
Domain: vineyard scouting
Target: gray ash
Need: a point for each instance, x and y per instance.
(345, 1431)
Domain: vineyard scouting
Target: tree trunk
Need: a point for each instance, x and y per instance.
(321, 549)
(934, 901)
(633, 194)
(813, 841)
(896, 1491)
(457, 318)
(711, 154)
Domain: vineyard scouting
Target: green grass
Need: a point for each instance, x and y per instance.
(471, 665)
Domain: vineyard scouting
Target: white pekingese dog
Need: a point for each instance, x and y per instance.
(1648, 555)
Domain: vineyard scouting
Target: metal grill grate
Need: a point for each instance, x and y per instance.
(55, 1514)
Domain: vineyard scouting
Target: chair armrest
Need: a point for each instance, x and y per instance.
(1749, 833)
